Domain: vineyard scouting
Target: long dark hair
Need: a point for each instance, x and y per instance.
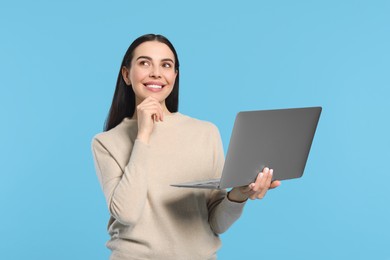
(123, 102)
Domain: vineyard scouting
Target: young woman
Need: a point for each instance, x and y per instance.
(147, 145)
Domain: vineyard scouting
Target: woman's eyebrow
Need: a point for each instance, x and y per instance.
(144, 57)
(149, 58)
(168, 59)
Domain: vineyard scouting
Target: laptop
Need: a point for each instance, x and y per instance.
(279, 139)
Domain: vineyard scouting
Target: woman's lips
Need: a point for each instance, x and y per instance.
(154, 87)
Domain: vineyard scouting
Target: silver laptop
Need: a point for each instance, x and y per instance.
(279, 139)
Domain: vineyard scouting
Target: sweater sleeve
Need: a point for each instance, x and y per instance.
(125, 189)
(222, 212)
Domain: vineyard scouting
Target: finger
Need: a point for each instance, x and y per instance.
(160, 114)
(150, 100)
(154, 103)
(275, 184)
(258, 185)
(263, 184)
(260, 179)
(267, 184)
(150, 109)
(269, 178)
(148, 114)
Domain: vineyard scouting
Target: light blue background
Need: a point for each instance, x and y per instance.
(58, 65)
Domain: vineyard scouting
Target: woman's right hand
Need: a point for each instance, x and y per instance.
(149, 111)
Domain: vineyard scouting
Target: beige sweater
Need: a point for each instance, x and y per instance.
(149, 218)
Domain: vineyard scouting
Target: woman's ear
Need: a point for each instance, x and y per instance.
(125, 75)
(176, 72)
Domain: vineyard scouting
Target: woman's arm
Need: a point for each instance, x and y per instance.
(124, 189)
(222, 212)
(225, 209)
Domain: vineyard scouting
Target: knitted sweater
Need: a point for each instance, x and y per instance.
(149, 218)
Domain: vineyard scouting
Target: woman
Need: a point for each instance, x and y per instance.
(146, 146)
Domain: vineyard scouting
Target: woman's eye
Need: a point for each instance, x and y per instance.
(144, 63)
(167, 65)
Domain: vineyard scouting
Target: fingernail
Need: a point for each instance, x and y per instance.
(266, 170)
(261, 174)
(271, 171)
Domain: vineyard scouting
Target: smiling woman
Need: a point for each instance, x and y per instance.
(147, 146)
(152, 72)
(135, 69)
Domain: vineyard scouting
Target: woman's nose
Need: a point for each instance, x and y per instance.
(155, 72)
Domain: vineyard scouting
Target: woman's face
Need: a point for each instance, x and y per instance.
(152, 71)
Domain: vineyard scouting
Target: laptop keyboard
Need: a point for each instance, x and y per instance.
(211, 183)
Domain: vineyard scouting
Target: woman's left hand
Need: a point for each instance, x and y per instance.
(256, 190)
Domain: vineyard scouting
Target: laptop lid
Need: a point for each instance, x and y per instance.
(279, 139)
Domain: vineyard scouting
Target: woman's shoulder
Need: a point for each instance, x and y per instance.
(194, 120)
(124, 132)
(199, 124)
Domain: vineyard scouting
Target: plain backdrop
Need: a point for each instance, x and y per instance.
(59, 61)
